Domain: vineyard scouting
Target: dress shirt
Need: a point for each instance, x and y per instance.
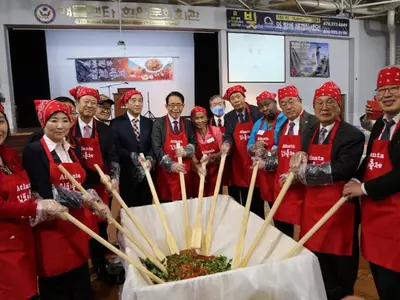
(132, 119)
(296, 126)
(83, 124)
(219, 118)
(171, 120)
(328, 129)
(393, 128)
(60, 148)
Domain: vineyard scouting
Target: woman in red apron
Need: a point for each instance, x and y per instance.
(334, 152)
(209, 140)
(380, 202)
(18, 212)
(62, 249)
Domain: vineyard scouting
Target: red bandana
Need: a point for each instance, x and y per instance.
(81, 91)
(234, 89)
(388, 76)
(328, 89)
(288, 91)
(46, 108)
(266, 95)
(1, 108)
(197, 109)
(125, 97)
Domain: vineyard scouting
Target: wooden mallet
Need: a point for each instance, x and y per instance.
(198, 230)
(173, 247)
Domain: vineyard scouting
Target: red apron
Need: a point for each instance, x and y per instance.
(290, 209)
(380, 220)
(168, 184)
(226, 178)
(336, 235)
(241, 161)
(210, 147)
(60, 245)
(17, 248)
(266, 179)
(91, 155)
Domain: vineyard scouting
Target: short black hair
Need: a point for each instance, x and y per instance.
(65, 99)
(177, 94)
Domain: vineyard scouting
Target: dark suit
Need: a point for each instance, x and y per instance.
(237, 192)
(134, 192)
(340, 272)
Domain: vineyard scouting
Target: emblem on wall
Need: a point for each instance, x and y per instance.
(44, 13)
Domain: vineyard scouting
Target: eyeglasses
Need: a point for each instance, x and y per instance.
(321, 104)
(172, 106)
(392, 90)
(105, 109)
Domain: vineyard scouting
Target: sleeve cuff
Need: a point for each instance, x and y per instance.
(363, 189)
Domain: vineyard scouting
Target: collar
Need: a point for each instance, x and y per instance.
(241, 112)
(52, 146)
(171, 119)
(396, 118)
(83, 124)
(131, 118)
(219, 118)
(297, 120)
(328, 128)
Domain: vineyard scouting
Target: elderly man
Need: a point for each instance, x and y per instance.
(334, 149)
(378, 184)
(239, 123)
(103, 112)
(217, 107)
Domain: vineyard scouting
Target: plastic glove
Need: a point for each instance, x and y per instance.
(261, 163)
(298, 161)
(101, 210)
(180, 152)
(282, 179)
(261, 144)
(145, 164)
(225, 148)
(178, 168)
(47, 210)
(90, 198)
(215, 158)
(260, 152)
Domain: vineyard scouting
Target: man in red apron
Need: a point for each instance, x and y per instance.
(238, 124)
(334, 149)
(97, 145)
(263, 138)
(380, 189)
(167, 133)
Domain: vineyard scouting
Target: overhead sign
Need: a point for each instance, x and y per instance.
(276, 22)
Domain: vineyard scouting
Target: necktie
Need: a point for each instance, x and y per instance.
(136, 128)
(219, 122)
(321, 137)
(291, 131)
(386, 133)
(176, 129)
(86, 131)
(241, 117)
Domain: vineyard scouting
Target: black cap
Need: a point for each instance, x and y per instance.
(104, 99)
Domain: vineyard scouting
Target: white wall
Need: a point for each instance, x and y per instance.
(64, 44)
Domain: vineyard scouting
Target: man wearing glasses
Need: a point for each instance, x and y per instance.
(173, 137)
(377, 182)
(103, 112)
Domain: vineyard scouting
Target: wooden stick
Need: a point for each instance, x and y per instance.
(173, 247)
(208, 235)
(198, 229)
(106, 244)
(268, 220)
(237, 256)
(113, 221)
(160, 256)
(188, 230)
(315, 228)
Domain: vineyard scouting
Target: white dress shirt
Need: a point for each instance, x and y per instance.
(328, 129)
(83, 124)
(296, 126)
(60, 148)
(393, 128)
(219, 118)
(171, 120)
(136, 119)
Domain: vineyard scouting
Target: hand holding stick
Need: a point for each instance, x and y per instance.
(198, 230)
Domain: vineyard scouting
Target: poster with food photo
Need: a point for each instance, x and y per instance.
(123, 69)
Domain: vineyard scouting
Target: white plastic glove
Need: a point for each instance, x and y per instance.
(225, 148)
(180, 152)
(298, 161)
(261, 162)
(145, 163)
(48, 210)
(101, 210)
(178, 168)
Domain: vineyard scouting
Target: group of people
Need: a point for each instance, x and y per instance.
(322, 151)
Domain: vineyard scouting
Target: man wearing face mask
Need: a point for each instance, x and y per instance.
(172, 136)
(263, 137)
(239, 123)
(97, 143)
(217, 107)
(332, 152)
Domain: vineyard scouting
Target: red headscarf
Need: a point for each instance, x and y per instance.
(234, 89)
(388, 76)
(328, 89)
(80, 91)
(46, 108)
(266, 95)
(288, 91)
(2, 108)
(197, 109)
(125, 97)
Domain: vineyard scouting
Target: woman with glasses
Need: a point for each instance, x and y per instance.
(332, 152)
(173, 136)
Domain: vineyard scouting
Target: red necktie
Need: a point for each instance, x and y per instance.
(219, 123)
(176, 129)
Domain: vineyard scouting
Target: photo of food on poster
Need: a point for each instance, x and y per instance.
(124, 69)
(309, 59)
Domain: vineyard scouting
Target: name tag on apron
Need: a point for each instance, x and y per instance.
(210, 140)
(260, 132)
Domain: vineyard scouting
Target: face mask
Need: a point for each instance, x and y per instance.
(218, 110)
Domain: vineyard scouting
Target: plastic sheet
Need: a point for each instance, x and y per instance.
(266, 277)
